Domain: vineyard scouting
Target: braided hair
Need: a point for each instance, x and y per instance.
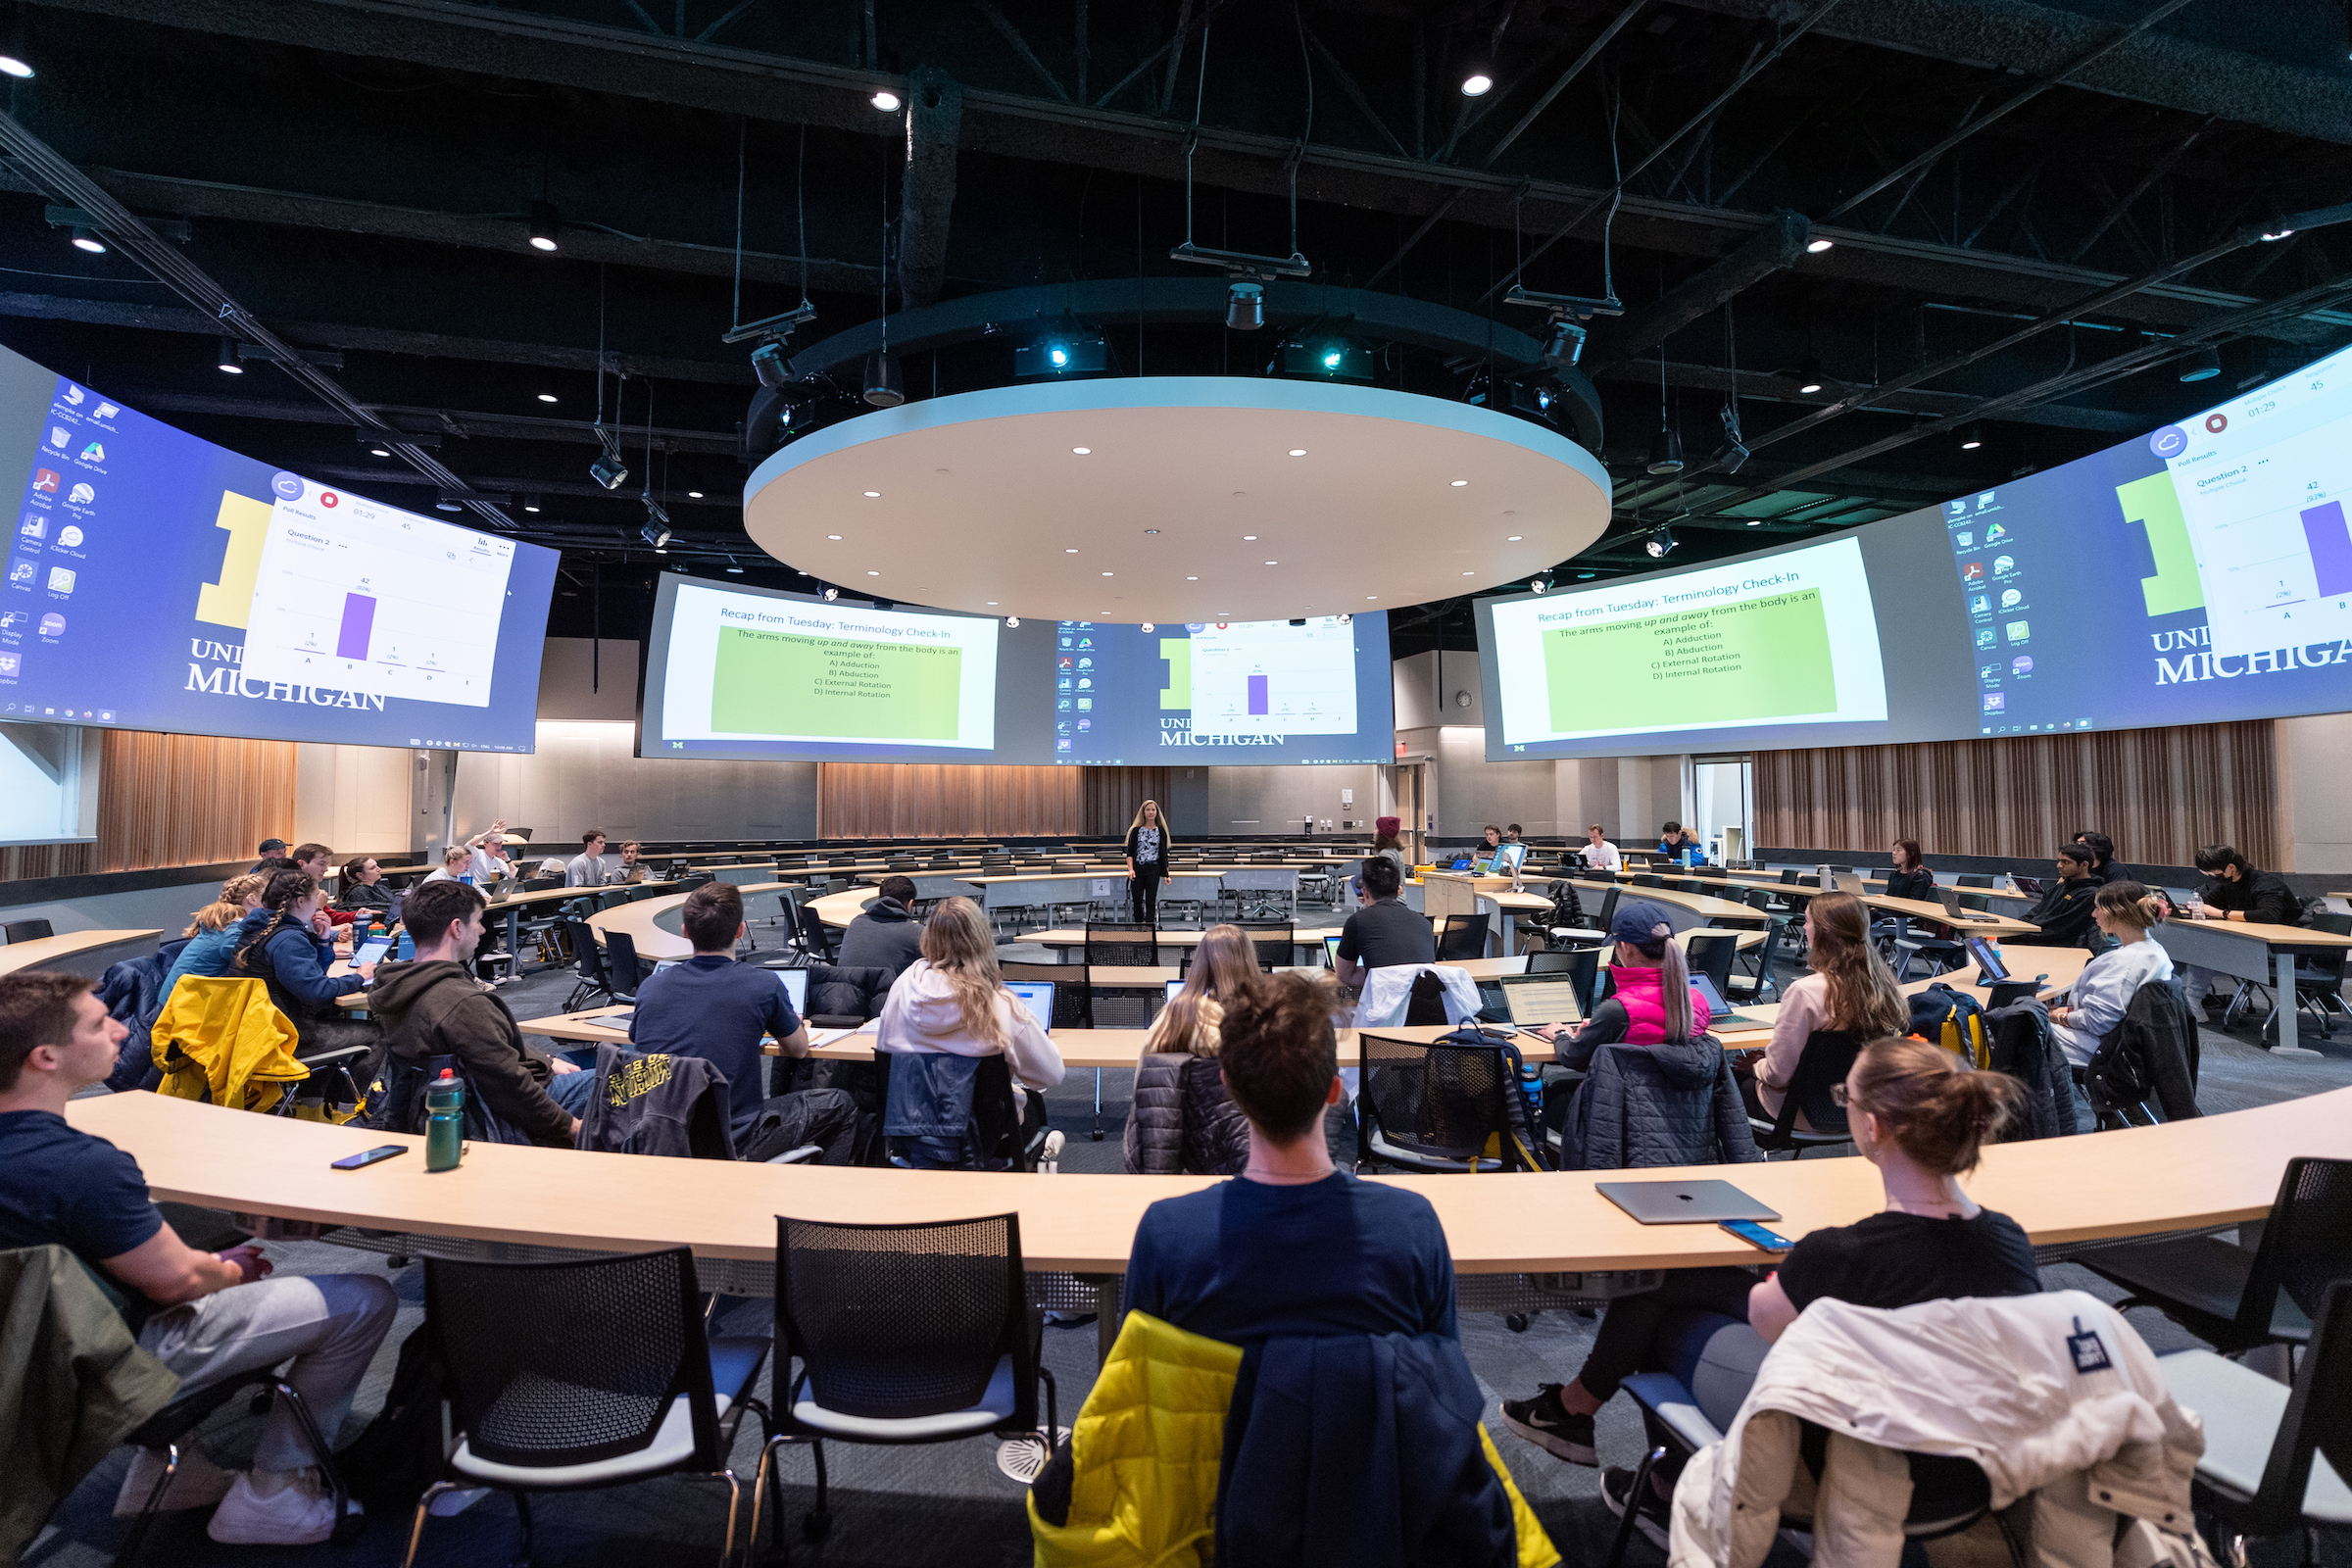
(283, 891)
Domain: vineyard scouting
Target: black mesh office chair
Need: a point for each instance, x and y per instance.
(1828, 1055)
(1463, 936)
(620, 962)
(904, 1333)
(613, 1383)
(26, 930)
(2235, 1298)
(168, 1432)
(1582, 966)
(1123, 946)
(1437, 1108)
(594, 988)
(1271, 940)
(1711, 954)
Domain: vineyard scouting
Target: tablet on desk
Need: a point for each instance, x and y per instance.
(372, 950)
(796, 989)
(1988, 959)
(1671, 1202)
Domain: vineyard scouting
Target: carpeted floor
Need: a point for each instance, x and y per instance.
(913, 1507)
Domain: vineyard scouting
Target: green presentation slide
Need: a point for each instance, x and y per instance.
(1761, 659)
(773, 683)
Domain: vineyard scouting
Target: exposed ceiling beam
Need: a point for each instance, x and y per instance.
(406, 416)
(375, 339)
(581, 489)
(1775, 248)
(558, 51)
(927, 195)
(1765, 388)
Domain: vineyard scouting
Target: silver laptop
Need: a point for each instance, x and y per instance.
(1669, 1203)
(1949, 897)
(1719, 1012)
(1535, 999)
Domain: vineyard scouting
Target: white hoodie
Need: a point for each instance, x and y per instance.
(923, 1017)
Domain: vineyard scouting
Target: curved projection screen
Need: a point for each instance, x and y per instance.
(157, 581)
(757, 673)
(2197, 575)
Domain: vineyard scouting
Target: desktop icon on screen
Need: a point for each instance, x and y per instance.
(1956, 508)
(93, 453)
(1984, 637)
(1995, 534)
(2011, 599)
(81, 496)
(44, 481)
(36, 526)
(2017, 631)
(1964, 539)
(1973, 571)
(1981, 605)
(2003, 565)
(58, 437)
(53, 626)
(12, 664)
(69, 537)
(1984, 500)
(75, 395)
(61, 580)
(1995, 702)
(2022, 664)
(22, 571)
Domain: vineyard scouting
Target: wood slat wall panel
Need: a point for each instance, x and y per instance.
(925, 800)
(173, 800)
(1114, 795)
(2158, 793)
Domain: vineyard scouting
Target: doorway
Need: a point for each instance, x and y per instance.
(1722, 804)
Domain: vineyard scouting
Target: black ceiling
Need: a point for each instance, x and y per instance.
(357, 174)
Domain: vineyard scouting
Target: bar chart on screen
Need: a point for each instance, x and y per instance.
(1272, 677)
(373, 599)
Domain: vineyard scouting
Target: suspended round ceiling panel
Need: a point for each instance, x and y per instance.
(1176, 499)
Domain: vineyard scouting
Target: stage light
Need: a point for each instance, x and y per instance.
(1972, 436)
(885, 100)
(1012, 620)
(1147, 628)
(226, 359)
(610, 471)
(1477, 84)
(2201, 363)
(1538, 584)
(1658, 544)
(544, 222)
(883, 388)
(770, 365)
(1334, 359)
(1244, 306)
(832, 594)
(1814, 247)
(1666, 451)
(1061, 354)
(1808, 376)
(85, 240)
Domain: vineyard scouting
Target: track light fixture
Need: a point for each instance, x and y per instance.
(885, 100)
(86, 239)
(543, 224)
(1567, 345)
(1345, 618)
(1538, 584)
(1972, 436)
(1808, 376)
(1660, 541)
(10, 66)
(656, 531)
(376, 443)
(1477, 82)
(770, 363)
(1012, 621)
(1061, 354)
(226, 358)
(530, 503)
(1816, 245)
(608, 470)
(734, 568)
(1734, 452)
(447, 501)
(1665, 451)
(1244, 306)
(831, 594)
(2201, 363)
(883, 387)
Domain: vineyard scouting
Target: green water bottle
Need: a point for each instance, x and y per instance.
(445, 1122)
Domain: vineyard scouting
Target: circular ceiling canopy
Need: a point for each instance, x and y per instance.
(1176, 499)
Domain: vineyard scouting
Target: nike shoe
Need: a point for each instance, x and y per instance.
(1650, 1515)
(198, 1483)
(1542, 1422)
(299, 1513)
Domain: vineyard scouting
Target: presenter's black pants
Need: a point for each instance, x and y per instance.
(1142, 894)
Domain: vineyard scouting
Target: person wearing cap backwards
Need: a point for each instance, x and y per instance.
(1652, 1000)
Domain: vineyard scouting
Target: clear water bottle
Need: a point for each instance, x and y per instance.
(444, 1122)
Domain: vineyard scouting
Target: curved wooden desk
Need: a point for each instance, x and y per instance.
(2215, 1170)
(77, 952)
(643, 924)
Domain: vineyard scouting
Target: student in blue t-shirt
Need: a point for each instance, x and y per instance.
(1293, 1245)
(713, 1007)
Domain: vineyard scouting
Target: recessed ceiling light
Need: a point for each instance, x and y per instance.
(1297, 452)
(547, 397)
(1754, 522)
(1817, 246)
(885, 100)
(1106, 574)
(833, 536)
(1469, 573)
(1246, 538)
(874, 495)
(1191, 579)
(1458, 483)
(1514, 538)
(695, 494)
(1477, 84)
(1081, 451)
(1071, 551)
(15, 67)
(1151, 530)
(877, 574)
(1273, 562)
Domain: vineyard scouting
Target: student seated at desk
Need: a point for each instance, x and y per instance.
(631, 867)
(1182, 1120)
(486, 857)
(1920, 1116)
(2089, 1011)
(1910, 878)
(269, 850)
(2064, 912)
(1489, 839)
(1849, 989)
(456, 865)
(280, 944)
(2103, 864)
(1651, 1001)
(1674, 839)
(1386, 845)
(312, 861)
(952, 1001)
(1599, 855)
(211, 933)
(2235, 891)
(1291, 1246)
(207, 1316)
(586, 869)
(363, 891)
(431, 1006)
(713, 1007)
(887, 935)
(1383, 931)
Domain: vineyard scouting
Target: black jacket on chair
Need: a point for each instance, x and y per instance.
(2150, 1057)
(1661, 1104)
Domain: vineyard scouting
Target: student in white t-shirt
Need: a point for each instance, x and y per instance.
(1599, 854)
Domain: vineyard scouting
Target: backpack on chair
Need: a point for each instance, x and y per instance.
(1952, 1019)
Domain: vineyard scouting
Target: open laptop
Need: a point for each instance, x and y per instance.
(1672, 1202)
(1533, 999)
(2028, 884)
(1720, 1012)
(1038, 997)
(796, 989)
(1949, 897)
(1508, 859)
(1331, 952)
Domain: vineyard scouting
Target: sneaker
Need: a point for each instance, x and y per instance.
(1542, 1422)
(1650, 1517)
(198, 1483)
(300, 1512)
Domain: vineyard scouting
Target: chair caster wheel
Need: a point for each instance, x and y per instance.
(1096, 1135)
(1516, 1322)
(816, 1527)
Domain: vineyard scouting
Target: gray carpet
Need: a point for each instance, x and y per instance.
(948, 1503)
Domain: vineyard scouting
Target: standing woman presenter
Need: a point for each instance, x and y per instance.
(1147, 861)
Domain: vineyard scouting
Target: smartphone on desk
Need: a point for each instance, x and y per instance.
(1755, 1235)
(368, 1157)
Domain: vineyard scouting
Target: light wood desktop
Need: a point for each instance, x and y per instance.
(1700, 903)
(2208, 1172)
(2247, 950)
(76, 952)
